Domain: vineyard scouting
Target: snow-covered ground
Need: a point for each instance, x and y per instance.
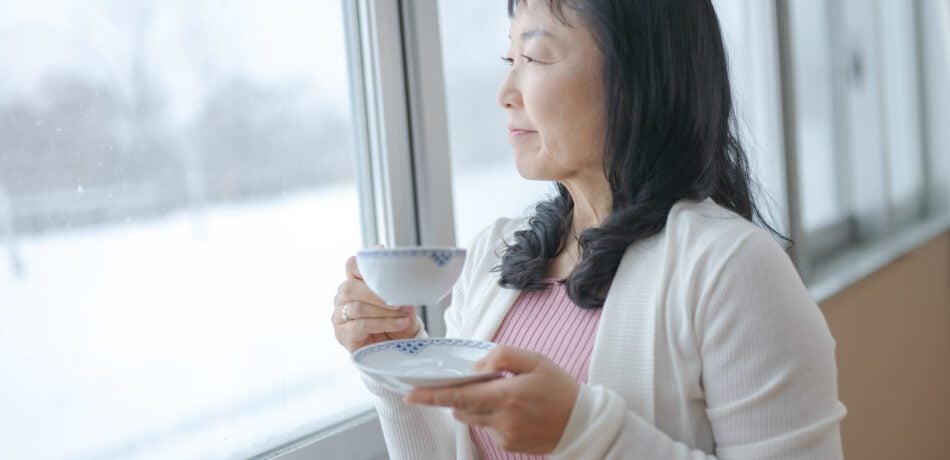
(150, 339)
(192, 337)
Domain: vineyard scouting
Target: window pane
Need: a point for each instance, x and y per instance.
(748, 29)
(901, 99)
(486, 183)
(165, 271)
(812, 49)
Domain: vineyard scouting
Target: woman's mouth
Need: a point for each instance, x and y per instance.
(518, 132)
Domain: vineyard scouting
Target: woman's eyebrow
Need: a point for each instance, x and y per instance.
(534, 33)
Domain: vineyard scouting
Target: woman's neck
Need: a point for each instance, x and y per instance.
(592, 202)
(592, 205)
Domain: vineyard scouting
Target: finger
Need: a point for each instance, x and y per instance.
(350, 337)
(511, 359)
(356, 290)
(473, 418)
(378, 325)
(337, 316)
(352, 270)
(363, 310)
(482, 397)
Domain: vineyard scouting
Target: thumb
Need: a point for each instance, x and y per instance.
(353, 268)
(511, 359)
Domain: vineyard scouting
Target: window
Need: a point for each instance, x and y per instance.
(859, 130)
(934, 36)
(816, 117)
(902, 134)
(486, 184)
(166, 264)
(748, 29)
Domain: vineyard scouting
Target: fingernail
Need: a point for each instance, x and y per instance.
(402, 321)
(405, 309)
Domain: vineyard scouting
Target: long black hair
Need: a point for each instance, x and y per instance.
(671, 135)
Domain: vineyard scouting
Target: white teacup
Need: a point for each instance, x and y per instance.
(410, 275)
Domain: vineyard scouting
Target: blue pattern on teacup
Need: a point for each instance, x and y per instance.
(411, 347)
(439, 256)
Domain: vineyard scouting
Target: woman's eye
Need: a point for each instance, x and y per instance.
(511, 61)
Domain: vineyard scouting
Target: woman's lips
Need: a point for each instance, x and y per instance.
(516, 132)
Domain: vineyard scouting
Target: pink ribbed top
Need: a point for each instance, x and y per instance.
(549, 323)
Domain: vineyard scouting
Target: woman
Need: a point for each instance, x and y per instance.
(640, 311)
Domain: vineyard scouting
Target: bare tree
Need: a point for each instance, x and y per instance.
(8, 231)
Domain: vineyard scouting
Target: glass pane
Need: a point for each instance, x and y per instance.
(749, 38)
(165, 265)
(812, 57)
(900, 78)
(486, 184)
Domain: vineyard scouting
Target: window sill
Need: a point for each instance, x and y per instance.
(359, 437)
(856, 264)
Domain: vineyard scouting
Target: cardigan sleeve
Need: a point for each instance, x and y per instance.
(768, 372)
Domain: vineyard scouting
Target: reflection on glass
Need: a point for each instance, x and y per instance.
(486, 184)
(167, 169)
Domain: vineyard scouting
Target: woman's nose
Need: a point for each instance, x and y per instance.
(509, 96)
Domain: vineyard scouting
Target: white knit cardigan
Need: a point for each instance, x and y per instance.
(708, 346)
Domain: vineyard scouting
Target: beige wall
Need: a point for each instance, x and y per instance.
(893, 334)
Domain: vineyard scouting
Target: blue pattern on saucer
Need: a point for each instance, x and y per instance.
(411, 347)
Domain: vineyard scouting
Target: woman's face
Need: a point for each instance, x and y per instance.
(553, 96)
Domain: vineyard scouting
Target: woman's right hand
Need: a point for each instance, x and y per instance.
(368, 319)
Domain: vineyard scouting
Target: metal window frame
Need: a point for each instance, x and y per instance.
(799, 252)
(860, 226)
(428, 117)
(401, 139)
(933, 35)
(400, 80)
(758, 103)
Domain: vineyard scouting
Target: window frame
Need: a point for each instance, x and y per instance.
(861, 228)
(401, 140)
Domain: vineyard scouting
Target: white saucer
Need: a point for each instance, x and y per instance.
(402, 365)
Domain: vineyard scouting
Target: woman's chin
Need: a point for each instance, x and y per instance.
(529, 173)
(528, 168)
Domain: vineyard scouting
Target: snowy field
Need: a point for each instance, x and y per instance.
(192, 337)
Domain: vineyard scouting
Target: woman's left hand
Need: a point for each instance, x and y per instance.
(524, 413)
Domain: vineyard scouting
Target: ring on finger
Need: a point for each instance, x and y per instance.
(345, 315)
